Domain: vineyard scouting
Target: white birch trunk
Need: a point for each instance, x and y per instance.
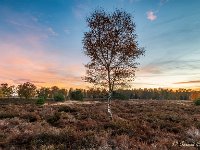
(109, 104)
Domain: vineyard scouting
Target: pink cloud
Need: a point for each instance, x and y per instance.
(188, 82)
(151, 15)
(30, 60)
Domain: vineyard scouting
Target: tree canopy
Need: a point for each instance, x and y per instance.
(27, 90)
(112, 48)
(6, 90)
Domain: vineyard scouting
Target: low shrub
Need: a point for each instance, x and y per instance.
(77, 95)
(30, 117)
(135, 125)
(53, 120)
(2, 137)
(197, 102)
(7, 115)
(59, 97)
(40, 101)
(67, 109)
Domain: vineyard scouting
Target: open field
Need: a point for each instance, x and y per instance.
(84, 125)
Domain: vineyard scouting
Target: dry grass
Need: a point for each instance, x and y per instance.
(84, 125)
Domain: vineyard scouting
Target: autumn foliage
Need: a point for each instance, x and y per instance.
(112, 48)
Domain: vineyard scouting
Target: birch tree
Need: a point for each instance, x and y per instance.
(112, 48)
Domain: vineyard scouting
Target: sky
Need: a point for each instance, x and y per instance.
(41, 41)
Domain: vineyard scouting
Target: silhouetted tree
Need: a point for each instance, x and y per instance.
(77, 95)
(43, 92)
(111, 45)
(7, 90)
(1, 93)
(26, 90)
(53, 91)
(69, 93)
(64, 92)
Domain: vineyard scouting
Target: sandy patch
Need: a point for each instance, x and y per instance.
(69, 102)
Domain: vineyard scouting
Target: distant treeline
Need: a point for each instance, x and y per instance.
(28, 90)
(154, 94)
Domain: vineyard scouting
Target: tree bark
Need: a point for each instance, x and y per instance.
(109, 104)
(109, 95)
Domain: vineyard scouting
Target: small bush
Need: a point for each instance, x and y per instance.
(7, 115)
(40, 101)
(53, 120)
(77, 95)
(30, 117)
(67, 109)
(197, 102)
(59, 97)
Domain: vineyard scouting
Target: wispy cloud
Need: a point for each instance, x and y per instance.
(170, 72)
(152, 69)
(80, 11)
(35, 19)
(188, 82)
(171, 67)
(52, 32)
(30, 57)
(146, 83)
(20, 81)
(26, 23)
(21, 24)
(151, 15)
(67, 31)
(132, 1)
(38, 66)
(162, 2)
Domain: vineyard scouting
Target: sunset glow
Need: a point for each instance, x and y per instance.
(41, 41)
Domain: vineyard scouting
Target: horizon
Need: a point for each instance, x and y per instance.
(41, 42)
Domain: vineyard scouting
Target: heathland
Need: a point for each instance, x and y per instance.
(136, 124)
